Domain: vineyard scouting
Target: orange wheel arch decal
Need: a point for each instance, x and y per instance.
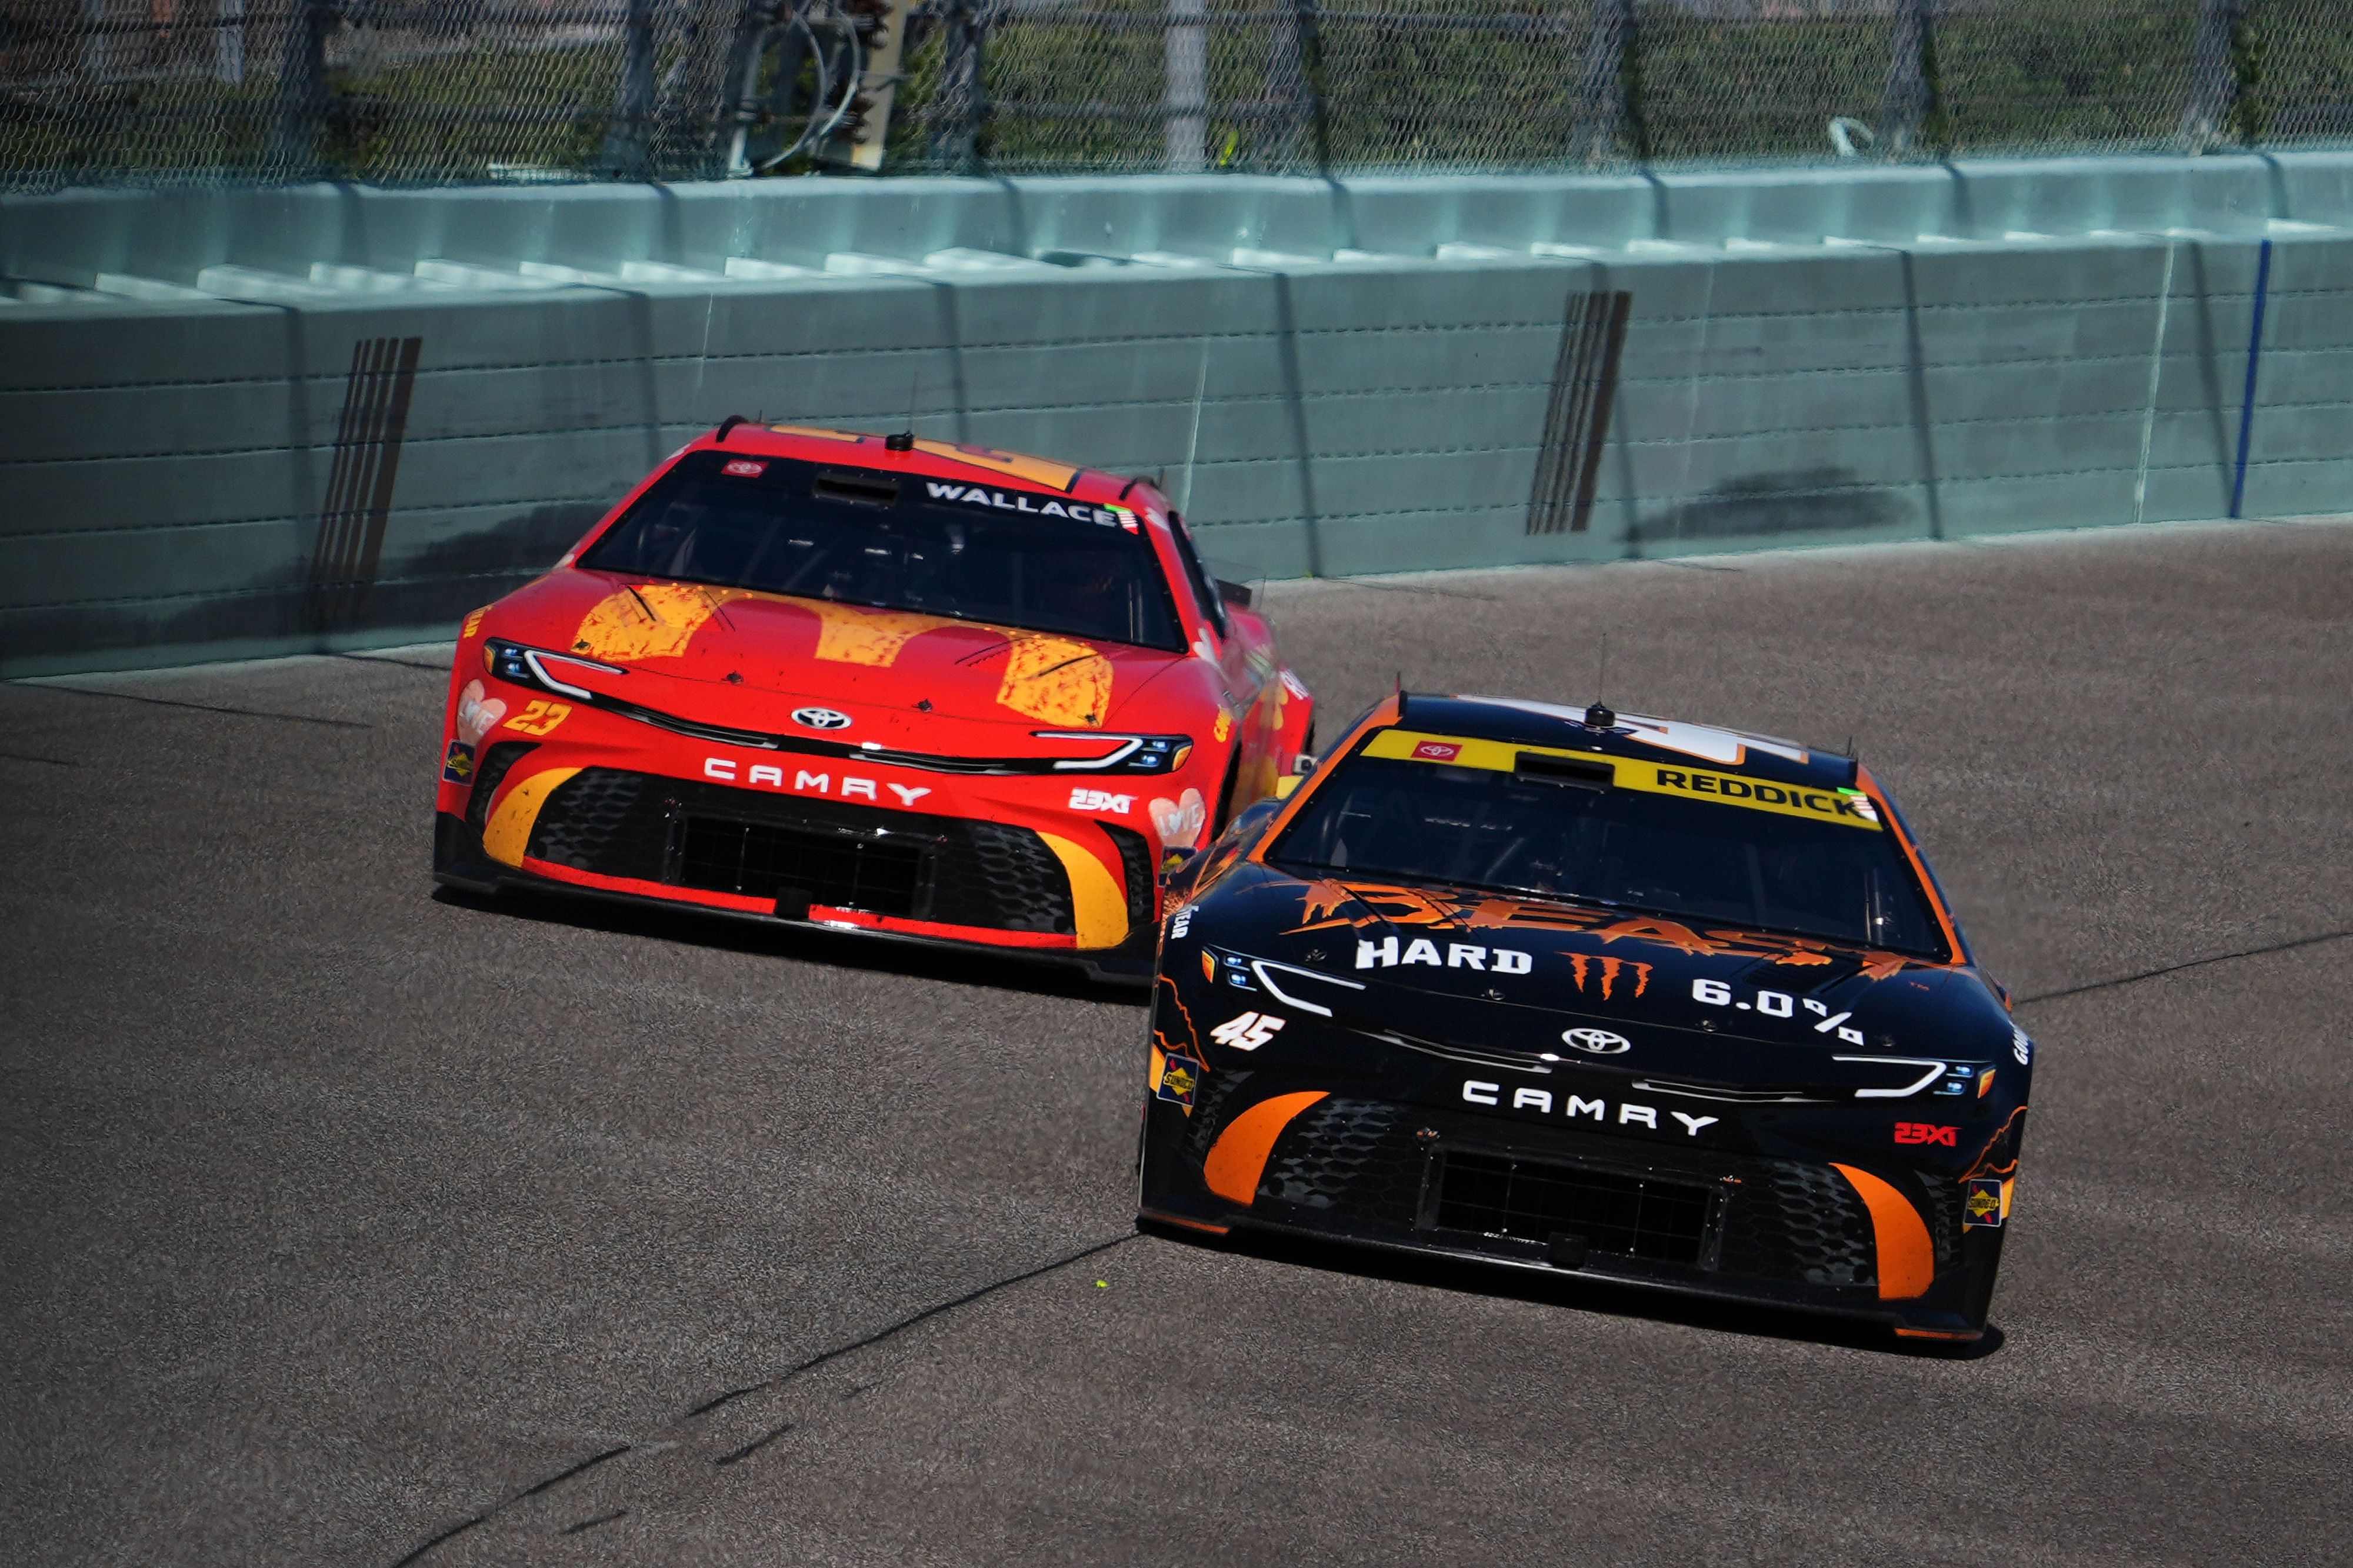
(1907, 1261)
(1237, 1158)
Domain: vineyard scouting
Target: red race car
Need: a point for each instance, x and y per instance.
(871, 683)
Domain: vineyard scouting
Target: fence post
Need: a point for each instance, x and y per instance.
(1914, 110)
(1186, 98)
(628, 145)
(228, 44)
(1309, 116)
(961, 107)
(303, 90)
(2207, 120)
(1610, 112)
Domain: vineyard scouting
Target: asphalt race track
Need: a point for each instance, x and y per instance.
(348, 1224)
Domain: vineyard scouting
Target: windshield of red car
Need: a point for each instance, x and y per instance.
(1038, 561)
(1568, 831)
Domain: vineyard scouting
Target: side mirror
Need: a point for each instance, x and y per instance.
(1234, 593)
(1305, 764)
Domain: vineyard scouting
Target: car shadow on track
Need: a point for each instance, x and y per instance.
(1005, 969)
(1583, 1293)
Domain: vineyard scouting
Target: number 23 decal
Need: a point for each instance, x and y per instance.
(539, 717)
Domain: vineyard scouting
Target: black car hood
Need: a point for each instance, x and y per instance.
(1522, 985)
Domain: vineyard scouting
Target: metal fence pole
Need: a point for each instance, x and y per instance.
(1186, 100)
(1310, 119)
(1912, 111)
(961, 106)
(228, 44)
(628, 145)
(1610, 118)
(2206, 122)
(303, 90)
(1601, 97)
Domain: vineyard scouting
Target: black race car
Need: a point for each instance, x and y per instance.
(1669, 1006)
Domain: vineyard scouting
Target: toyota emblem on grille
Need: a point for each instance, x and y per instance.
(1600, 1042)
(820, 718)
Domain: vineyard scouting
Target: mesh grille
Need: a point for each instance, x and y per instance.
(1798, 1223)
(607, 821)
(1634, 1216)
(403, 92)
(1358, 1156)
(992, 875)
(947, 869)
(843, 871)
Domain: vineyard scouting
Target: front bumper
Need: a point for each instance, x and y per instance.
(1294, 1151)
(1078, 891)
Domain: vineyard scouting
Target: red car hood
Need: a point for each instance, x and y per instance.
(728, 655)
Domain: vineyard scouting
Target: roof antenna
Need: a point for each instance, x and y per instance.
(1193, 446)
(905, 440)
(1598, 716)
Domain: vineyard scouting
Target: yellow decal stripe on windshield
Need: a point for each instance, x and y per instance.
(1651, 778)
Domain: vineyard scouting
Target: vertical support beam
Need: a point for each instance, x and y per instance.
(1601, 118)
(627, 145)
(1912, 113)
(228, 44)
(303, 90)
(2213, 81)
(960, 109)
(1296, 88)
(1186, 100)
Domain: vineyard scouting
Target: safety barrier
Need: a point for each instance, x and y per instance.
(264, 421)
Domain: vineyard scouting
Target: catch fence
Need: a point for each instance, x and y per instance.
(413, 92)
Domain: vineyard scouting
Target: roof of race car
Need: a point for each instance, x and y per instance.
(1531, 723)
(924, 455)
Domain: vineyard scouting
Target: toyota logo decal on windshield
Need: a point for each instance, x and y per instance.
(1599, 1042)
(820, 718)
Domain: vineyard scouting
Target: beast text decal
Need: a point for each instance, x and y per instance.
(1329, 904)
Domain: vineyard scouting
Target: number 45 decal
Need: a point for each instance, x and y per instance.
(1249, 1032)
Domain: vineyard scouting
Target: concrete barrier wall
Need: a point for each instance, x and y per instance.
(217, 438)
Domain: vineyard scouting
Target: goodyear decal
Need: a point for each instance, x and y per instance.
(1849, 808)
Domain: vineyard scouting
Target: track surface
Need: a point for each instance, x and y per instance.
(338, 1217)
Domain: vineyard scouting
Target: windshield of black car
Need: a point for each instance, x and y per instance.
(1717, 860)
(981, 553)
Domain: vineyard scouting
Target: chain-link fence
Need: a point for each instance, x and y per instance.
(412, 91)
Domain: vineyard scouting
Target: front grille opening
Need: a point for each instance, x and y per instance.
(762, 860)
(1633, 1216)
